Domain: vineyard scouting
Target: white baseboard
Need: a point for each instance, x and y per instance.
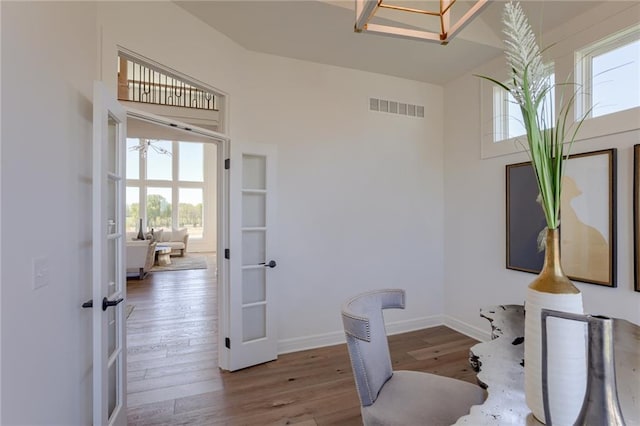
(464, 328)
(337, 337)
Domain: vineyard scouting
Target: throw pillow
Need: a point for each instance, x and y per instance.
(166, 236)
(177, 235)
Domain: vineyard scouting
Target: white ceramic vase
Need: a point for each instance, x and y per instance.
(566, 342)
(566, 361)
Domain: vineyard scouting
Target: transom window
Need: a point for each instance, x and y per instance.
(609, 71)
(507, 117)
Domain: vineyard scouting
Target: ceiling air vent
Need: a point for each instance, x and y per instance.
(394, 107)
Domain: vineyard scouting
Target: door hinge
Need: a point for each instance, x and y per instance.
(227, 343)
(227, 255)
(227, 163)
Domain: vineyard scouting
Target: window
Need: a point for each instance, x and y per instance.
(159, 161)
(133, 207)
(190, 202)
(159, 211)
(508, 123)
(191, 165)
(609, 71)
(162, 176)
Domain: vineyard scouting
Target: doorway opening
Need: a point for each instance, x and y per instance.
(174, 313)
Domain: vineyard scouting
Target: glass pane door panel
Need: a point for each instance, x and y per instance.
(253, 285)
(253, 247)
(112, 377)
(190, 211)
(254, 322)
(133, 159)
(112, 269)
(111, 204)
(133, 209)
(112, 140)
(191, 164)
(111, 331)
(253, 210)
(159, 208)
(159, 162)
(254, 172)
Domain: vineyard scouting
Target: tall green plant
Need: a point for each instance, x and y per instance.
(529, 84)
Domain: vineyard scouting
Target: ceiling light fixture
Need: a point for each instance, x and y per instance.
(366, 10)
(144, 146)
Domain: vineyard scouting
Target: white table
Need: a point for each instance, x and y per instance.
(163, 255)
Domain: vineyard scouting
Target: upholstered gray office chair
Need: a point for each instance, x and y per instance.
(402, 397)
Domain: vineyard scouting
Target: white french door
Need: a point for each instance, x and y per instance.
(252, 329)
(109, 281)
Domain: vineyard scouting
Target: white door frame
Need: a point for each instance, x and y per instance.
(222, 143)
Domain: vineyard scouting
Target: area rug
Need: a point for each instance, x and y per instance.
(181, 263)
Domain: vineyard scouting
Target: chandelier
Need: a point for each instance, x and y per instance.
(145, 145)
(366, 10)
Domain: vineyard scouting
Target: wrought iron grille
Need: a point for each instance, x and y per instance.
(139, 83)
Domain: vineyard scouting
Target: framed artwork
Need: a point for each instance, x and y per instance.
(636, 216)
(587, 218)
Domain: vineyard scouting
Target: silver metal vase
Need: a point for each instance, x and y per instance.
(600, 405)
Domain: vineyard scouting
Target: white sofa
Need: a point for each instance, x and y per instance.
(177, 239)
(140, 255)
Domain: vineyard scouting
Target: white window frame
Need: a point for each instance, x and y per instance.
(583, 64)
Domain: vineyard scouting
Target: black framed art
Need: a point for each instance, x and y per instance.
(636, 217)
(587, 218)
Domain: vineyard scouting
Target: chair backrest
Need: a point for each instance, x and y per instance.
(367, 339)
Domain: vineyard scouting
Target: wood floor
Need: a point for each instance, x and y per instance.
(173, 375)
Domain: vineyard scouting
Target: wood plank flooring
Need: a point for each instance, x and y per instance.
(173, 375)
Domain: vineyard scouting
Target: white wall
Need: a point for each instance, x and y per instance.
(475, 273)
(360, 193)
(48, 66)
(361, 199)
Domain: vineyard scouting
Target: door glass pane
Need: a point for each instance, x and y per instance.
(254, 323)
(159, 160)
(253, 285)
(191, 164)
(253, 247)
(159, 208)
(112, 148)
(112, 377)
(112, 269)
(110, 208)
(253, 210)
(111, 330)
(190, 211)
(133, 159)
(133, 209)
(254, 172)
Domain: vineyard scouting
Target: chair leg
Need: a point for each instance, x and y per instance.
(141, 273)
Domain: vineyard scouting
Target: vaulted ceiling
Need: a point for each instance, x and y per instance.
(322, 31)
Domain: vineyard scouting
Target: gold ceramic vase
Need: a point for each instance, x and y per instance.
(566, 361)
(552, 278)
